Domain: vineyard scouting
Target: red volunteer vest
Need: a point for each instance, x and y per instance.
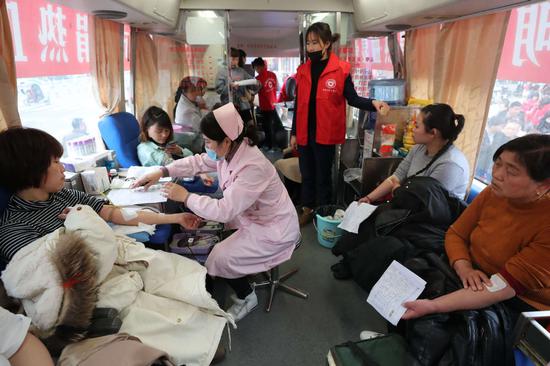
(330, 106)
(268, 92)
(282, 96)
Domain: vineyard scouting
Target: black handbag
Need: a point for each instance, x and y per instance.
(387, 350)
(480, 337)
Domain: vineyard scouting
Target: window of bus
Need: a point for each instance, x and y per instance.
(283, 67)
(520, 102)
(369, 57)
(205, 48)
(52, 56)
(370, 60)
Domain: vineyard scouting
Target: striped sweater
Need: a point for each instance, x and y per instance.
(25, 221)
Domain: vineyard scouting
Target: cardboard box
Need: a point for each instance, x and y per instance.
(81, 163)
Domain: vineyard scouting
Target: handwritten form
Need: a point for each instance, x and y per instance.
(355, 214)
(396, 286)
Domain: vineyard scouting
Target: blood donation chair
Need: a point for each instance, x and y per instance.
(120, 132)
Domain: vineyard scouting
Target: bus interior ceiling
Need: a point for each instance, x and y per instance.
(265, 33)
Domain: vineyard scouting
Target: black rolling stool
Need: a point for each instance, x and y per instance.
(275, 282)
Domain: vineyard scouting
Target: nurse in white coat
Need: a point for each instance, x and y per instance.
(255, 202)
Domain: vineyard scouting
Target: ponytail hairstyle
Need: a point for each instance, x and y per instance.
(234, 52)
(211, 129)
(441, 117)
(190, 83)
(151, 117)
(242, 58)
(179, 92)
(323, 32)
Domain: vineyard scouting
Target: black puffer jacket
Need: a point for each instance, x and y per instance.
(481, 337)
(415, 221)
(420, 212)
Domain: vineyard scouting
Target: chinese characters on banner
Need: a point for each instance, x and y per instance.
(525, 55)
(366, 56)
(50, 39)
(526, 52)
(255, 45)
(203, 61)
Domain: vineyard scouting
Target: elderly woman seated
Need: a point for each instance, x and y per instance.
(503, 236)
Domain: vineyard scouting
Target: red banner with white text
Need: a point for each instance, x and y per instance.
(526, 52)
(50, 39)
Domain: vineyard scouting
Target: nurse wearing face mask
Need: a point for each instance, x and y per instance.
(255, 202)
(323, 87)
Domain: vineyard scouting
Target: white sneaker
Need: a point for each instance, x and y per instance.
(367, 334)
(241, 308)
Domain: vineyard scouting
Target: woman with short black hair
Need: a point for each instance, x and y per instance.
(33, 173)
(503, 237)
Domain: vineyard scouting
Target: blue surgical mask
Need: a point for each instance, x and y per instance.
(212, 155)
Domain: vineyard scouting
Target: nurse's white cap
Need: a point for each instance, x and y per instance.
(229, 120)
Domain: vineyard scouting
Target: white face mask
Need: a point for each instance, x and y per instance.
(199, 99)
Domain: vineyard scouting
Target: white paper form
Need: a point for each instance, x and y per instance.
(139, 171)
(396, 286)
(355, 214)
(128, 197)
(126, 183)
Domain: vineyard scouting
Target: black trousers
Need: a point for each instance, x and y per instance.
(316, 169)
(240, 285)
(269, 118)
(246, 115)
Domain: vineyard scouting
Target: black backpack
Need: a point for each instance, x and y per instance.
(463, 338)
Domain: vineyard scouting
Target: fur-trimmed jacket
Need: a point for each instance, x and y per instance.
(161, 297)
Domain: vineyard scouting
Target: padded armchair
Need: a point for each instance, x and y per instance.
(120, 132)
(475, 189)
(290, 88)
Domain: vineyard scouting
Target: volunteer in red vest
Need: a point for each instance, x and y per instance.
(268, 98)
(288, 90)
(323, 87)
